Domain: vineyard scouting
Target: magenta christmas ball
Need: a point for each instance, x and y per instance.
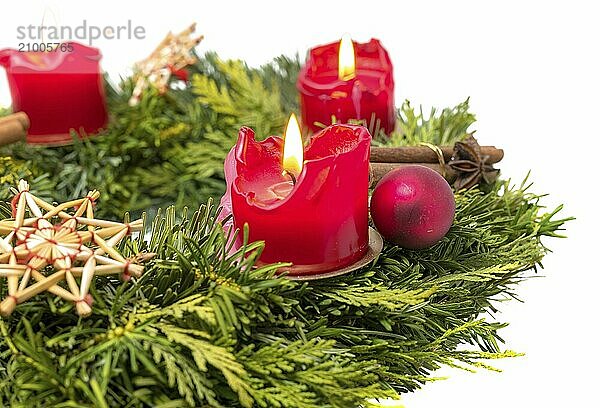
(413, 207)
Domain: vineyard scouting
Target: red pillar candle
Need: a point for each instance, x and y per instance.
(59, 90)
(328, 88)
(320, 223)
(329, 85)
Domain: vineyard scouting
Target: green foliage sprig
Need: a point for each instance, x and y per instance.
(440, 128)
(203, 327)
(207, 328)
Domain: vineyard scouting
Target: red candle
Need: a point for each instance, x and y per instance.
(59, 90)
(312, 212)
(348, 84)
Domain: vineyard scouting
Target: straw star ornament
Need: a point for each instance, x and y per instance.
(62, 243)
(171, 56)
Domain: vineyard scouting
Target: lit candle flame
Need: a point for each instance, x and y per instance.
(293, 150)
(346, 59)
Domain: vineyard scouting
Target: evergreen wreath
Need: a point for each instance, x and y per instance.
(205, 327)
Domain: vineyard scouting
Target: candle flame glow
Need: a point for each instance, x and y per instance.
(293, 149)
(346, 59)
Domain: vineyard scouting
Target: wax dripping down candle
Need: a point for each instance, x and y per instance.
(348, 81)
(309, 206)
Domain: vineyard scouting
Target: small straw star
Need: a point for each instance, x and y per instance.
(36, 255)
(170, 56)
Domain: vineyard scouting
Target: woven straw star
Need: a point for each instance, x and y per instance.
(171, 56)
(54, 246)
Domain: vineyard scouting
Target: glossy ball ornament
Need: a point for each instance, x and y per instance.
(413, 207)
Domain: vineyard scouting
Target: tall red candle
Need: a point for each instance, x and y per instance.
(320, 223)
(368, 95)
(59, 90)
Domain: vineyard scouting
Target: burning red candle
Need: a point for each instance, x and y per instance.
(348, 80)
(59, 90)
(311, 211)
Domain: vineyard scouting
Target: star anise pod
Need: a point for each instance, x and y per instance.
(470, 165)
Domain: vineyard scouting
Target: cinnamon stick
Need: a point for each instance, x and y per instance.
(13, 128)
(20, 116)
(378, 170)
(423, 154)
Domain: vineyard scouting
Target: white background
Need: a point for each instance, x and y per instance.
(532, 72)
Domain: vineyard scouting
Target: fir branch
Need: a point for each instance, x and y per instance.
(204, 327)
(12, 170)
(440, 128)
(377, 295)
(246, 101)
(281, 74)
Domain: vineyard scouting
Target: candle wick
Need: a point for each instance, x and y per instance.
(289, 173)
